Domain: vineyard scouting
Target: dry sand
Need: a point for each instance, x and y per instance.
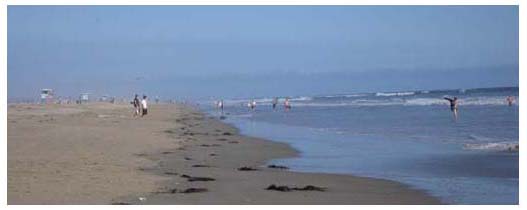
(99, 154)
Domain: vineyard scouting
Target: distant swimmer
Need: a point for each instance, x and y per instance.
(453, 105)
(275, 101)
(510, 100)
(287, 105)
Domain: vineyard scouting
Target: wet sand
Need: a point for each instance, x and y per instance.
(99, 154)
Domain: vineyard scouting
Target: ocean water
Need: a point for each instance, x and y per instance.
(406, 136)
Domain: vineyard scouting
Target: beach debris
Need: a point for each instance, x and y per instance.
(278, 188)
(197, 179)
(284, 188)
(200, 166)
(188, 190)
(310, 188)
(169, 131)
(227, 134)
(222, 139)
(212, 154)
(187, 158)
(140, 154)
(277, 166)
(120, 203)
(245, 168)
(204, 145)
(142, 199)
(171, 173)
(194, 190)
(167, 152)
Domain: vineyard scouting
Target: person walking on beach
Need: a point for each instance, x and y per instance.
(144, 106)
(136, 104)
(275, 101)
(453, 105)
(510, 100)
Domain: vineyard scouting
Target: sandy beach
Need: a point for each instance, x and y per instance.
(99, 153)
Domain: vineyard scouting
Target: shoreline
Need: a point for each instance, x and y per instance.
(226, 161)
(189, 143)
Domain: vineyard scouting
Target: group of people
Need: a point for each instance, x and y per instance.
(287, 104)
(140, 106)
(454, 104)
(252, 104)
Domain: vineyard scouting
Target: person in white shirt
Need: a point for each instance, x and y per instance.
(144, 106)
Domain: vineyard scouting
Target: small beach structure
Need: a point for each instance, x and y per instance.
(104, 98)
(46, 96)
(84, 98)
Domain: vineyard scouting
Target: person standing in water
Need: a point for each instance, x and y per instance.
(220, 105)
(510, 100)
(453, 105)
(144, 106)
(275, 101)
(287, 105)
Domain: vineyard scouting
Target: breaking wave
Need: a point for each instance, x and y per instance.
(395, 94)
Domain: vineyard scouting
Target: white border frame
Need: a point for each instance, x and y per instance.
(522, 75)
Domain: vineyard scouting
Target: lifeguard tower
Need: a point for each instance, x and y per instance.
(84, 98)
(46, 96)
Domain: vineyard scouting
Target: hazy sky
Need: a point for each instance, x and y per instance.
(241, 51)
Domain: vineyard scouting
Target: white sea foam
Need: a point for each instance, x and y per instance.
(302, 98)
(495, 146)
(395, 94)
(470, 101)
(425, 102)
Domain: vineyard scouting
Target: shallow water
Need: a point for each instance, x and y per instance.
(391, 136)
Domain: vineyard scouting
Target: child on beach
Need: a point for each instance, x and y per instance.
(144, 106)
